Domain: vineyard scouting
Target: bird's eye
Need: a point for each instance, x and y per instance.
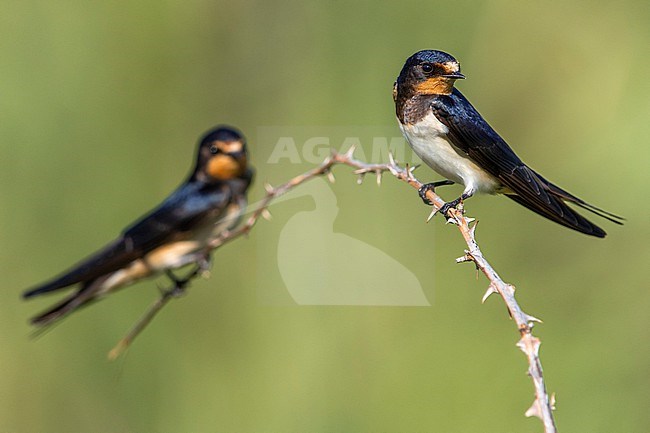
(214, 150)
(427, 68)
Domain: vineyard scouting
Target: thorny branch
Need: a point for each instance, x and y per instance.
(542, 406)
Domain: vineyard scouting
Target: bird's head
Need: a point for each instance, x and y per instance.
(222, 155)
(428, 72)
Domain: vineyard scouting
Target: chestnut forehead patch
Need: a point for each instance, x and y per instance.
(450, 67)
(229, 146)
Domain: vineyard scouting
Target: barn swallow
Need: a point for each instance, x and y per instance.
(174, 234)
(452, 138)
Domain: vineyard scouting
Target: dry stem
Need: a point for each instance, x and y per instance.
(543, 404)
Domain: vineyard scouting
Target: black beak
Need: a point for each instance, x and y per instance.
(455, 76)
(237, 155)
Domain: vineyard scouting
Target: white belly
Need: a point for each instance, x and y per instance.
(428, 138)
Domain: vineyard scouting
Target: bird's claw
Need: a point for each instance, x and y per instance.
(423, 193)
(203, 265)
(456, 204)
(424, 189)
(178, 289)
(445, 208)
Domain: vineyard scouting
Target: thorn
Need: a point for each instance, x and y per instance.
(451, 221)
(530, 318)
(432, 214)
(465, 258)
(266, 214)
(552, 401)
(330, 176)
(490, 290)
(360, 179)
(533, 410)
(472, 230)
(378, 177)
(350, 152)
(415, 167)
(523, 346)
(391, 159)
(360, 171)
(409, 173)
(268, 188)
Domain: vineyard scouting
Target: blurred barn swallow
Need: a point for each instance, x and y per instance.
(452, 138)
(174, 234)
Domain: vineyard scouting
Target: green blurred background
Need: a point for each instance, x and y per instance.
(102, 103)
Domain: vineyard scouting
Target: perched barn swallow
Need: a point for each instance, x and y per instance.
(174, 234)
(452, 138)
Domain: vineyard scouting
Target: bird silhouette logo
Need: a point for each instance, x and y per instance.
(322, 267)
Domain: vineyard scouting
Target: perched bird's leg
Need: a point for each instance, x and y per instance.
(432, 187)
(454, 203)
(204, 263)
(178, 289)
(202, 267)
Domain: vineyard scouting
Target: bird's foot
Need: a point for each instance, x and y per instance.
(202, 268)
(431, 187)
(454, 204)
(203, 265)
(178, 289)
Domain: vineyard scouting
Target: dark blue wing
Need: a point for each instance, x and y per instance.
(181, 212)
(185, 208)
(473, 135)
